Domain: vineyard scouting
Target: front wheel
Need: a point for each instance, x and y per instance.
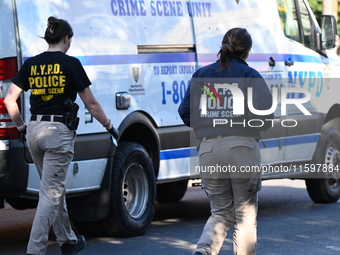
(326, 190)
(133, 192)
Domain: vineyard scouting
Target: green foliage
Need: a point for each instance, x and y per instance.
(316, 6)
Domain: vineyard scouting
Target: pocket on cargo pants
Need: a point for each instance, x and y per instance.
(50, 137)
(255, 181)
(246, 156)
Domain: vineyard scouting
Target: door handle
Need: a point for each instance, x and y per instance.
(289, 62)
(271, 62)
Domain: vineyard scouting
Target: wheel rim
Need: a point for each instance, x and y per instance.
(135, 190)
(333, 158)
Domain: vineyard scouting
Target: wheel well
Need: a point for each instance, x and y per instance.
(137, 127)
(333, 113)
(332, 119)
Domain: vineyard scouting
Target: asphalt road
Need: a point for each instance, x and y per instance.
(289, 223)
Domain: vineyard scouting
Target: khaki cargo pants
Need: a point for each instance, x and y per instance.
(51, 146)
(232, 193)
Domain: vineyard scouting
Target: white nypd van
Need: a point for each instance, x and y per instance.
(140, 55)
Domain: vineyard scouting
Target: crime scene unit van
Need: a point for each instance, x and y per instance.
(140, 56)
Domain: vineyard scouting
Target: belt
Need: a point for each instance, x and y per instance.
(49, 118)
(214, 137)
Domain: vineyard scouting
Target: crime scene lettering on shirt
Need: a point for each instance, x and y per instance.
(47, 81)
(160, 8)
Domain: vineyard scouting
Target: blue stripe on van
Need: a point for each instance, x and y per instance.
(137, 58)
(277, 57)
(284, 57)
(293, 140)
(189, 57)
(271, 143)
(178, 153)
(93, 60)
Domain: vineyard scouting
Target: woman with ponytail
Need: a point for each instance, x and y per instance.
(50, 132)
(226, 150)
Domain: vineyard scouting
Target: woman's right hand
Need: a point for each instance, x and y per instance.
(113, 131)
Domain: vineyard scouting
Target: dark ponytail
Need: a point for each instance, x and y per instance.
(56, 30)
(236, 43)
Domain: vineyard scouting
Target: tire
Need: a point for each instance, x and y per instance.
(326, 190)
(133, 192)
(171, 192)
(19, 203)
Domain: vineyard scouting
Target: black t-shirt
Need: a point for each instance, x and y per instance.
(53, 77)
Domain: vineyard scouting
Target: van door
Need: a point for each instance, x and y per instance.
(304, 68)
(272, 151)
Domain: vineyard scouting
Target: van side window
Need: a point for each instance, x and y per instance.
(296, 20)
(289, 19)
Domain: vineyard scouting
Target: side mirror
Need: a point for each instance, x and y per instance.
(329, 30)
